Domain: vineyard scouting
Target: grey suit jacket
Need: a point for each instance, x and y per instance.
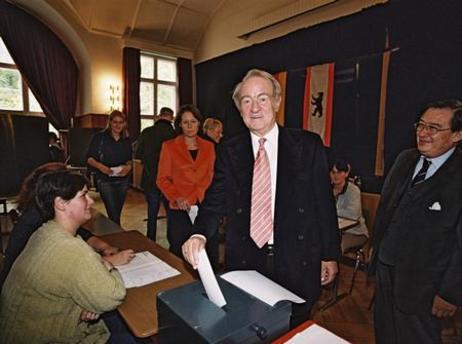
(305, 223)
(429, 254)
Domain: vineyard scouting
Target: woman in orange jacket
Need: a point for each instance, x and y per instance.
(184, 174)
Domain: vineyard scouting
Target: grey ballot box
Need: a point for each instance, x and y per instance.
(186, 315)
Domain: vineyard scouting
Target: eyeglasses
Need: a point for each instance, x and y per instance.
(431, 129)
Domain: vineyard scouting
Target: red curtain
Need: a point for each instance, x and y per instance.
(44, 61)
(131, 76)
(185, 83)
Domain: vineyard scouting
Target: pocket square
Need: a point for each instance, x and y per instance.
(435, 206)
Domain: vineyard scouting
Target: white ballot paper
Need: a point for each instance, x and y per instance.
(115, 171)
(209, 280)
(260, 287)
(145, 268)
(316, 334)
(193, 213)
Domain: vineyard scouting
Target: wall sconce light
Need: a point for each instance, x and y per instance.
(114, 97)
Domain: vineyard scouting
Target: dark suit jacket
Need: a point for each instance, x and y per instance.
(305, 223)
(148, 150)
(428, 258)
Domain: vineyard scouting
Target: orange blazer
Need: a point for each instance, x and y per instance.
(179, 175)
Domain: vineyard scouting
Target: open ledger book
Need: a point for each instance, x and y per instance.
(145, 268)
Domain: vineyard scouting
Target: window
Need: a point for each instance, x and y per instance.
(15, 96)
(158, 86)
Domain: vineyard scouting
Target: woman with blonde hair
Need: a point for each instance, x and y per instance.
(212, 130)
(110, 155)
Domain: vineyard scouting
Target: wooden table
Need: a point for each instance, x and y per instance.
(139, 309)
(101, 225)
(293, 332)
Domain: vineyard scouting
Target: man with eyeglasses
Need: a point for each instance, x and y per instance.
(418, 232)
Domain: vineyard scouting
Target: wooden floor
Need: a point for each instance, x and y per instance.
(348, 318)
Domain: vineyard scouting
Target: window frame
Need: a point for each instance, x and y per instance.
(25, 95)
(155, 82)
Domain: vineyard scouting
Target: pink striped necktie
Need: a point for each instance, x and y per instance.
(261, 222)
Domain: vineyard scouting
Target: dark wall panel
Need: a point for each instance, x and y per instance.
(23, 147)
(426, 37)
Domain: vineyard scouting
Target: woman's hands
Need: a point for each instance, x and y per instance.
(182, 204)
(125, 170)
(120, 258)
(87, 316)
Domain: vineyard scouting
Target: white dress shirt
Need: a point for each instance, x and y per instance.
(436, 163)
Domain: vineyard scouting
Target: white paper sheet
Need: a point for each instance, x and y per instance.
(316, 334)
(115, 171)
(193, 213)
(260, 286)
(145, 268)
(209, 280)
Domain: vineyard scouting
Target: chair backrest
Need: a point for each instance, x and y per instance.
(369, 203)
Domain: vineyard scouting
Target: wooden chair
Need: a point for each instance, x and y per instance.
(361, 254)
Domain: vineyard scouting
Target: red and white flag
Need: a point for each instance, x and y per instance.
(317, 104)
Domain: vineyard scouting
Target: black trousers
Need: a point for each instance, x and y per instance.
(179, 230)
(300, 312)
(392, 326)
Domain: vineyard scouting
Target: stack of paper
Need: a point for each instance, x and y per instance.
(145, 268)
(316, 334)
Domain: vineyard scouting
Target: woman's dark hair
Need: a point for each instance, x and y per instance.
(341, 165)
(27, 192)
(187, 108)
(64, 184)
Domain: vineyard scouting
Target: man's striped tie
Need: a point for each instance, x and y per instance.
(261, 222)
(420, 176)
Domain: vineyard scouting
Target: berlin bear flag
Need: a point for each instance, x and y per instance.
(318, 99)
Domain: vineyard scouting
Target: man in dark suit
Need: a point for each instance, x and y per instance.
(148, 150)
(418, 232)
(302, 245)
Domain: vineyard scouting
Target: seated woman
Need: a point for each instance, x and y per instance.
(30, 220)
(184, 174)
(59, 285)
(348, 201)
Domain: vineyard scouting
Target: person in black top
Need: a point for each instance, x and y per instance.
(148, 151)
(110, 155)
(55, 149)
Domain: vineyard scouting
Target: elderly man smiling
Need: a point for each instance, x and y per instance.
(273, 185)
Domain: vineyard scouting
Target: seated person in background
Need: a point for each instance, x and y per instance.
(30, 220)
(348, 201)
(59, 286)
(56, 151)
(212, 130)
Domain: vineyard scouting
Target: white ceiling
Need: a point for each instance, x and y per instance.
(180, 23)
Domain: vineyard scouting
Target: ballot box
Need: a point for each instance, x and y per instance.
(186, 315)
